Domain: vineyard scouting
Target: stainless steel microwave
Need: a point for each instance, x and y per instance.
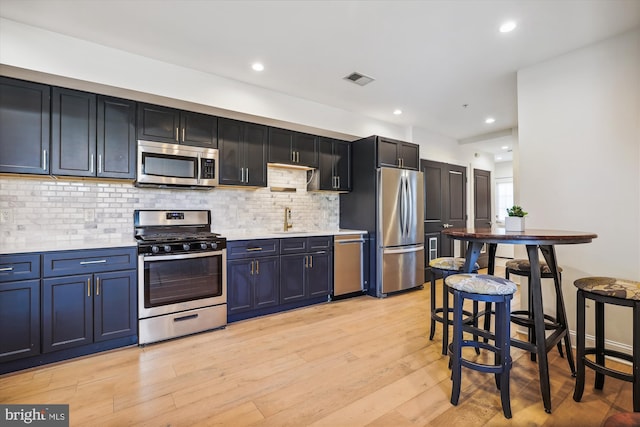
(173, 165)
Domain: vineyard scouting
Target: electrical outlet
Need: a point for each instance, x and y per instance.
(89, 215)
(5, 216)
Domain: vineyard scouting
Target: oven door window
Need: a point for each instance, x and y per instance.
(170, 165)
(178, 280)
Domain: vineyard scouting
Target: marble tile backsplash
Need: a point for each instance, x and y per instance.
(59, 209)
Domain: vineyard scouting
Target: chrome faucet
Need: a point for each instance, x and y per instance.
(287, 219)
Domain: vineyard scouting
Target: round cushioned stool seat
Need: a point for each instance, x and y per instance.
(449, 263)
(523, 266)
(610, 287)
(489, 289)
(444, 266)
(484, 284)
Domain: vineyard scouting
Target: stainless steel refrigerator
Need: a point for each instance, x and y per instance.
(400, 230)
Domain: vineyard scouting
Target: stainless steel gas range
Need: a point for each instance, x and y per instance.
(182, 275)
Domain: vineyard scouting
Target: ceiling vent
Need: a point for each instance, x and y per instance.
(359, 79)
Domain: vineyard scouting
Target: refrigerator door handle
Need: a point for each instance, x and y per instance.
(403, 209)
(409, 206)
(403, 250)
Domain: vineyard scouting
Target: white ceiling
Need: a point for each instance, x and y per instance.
(428, 58)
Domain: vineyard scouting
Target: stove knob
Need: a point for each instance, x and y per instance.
(214, 245)
(167, 248)
(203, 246)
(185, 246)
(155, 249)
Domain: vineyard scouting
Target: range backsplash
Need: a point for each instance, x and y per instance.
(57, 209)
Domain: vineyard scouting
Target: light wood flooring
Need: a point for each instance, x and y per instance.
(356, 362)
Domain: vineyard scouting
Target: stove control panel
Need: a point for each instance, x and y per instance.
(162, 248)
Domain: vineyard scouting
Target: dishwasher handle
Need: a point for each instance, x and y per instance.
(344, 242)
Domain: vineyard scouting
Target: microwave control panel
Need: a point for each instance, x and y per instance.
(208, 168)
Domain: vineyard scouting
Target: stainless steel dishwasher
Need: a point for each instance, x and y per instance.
(347, 264)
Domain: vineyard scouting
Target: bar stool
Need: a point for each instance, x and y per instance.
(522, 267)
(445, 266)
(618, 292)
(482, 288)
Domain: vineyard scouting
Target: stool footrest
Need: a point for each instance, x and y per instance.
(605, 370)
(521, 317)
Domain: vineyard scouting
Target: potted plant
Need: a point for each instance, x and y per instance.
(515, 220)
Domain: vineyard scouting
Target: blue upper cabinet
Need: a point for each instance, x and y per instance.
(164, 124)
(24, 127)
(293, 148)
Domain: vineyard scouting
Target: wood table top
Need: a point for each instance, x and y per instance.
(529, 236)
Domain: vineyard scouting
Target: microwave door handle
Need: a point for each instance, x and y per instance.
(199, 173)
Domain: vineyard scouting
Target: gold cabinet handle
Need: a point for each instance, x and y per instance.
(88, 287)
(97, 286)
(254, 249)
(177, 135)
(183, 134)
(257, 267)
(310, 261)
(251, 268)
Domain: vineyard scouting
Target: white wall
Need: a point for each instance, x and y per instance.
(579, 160)
(34, 49)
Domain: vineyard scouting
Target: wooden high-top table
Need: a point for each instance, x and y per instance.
(545, 240)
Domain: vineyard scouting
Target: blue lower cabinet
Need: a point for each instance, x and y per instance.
(19, 319)
(301, 274)
(252, 284)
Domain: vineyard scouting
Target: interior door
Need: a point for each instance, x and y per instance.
(444, 206)
(482, 206)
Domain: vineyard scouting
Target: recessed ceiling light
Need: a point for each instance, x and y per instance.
(508, 26)
(498, 158)
(489, 120)
(397, 111)
(505, 147)
(257, 66)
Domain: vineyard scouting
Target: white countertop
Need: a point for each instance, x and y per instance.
(68, 245)
(250, 235)
(64, 245)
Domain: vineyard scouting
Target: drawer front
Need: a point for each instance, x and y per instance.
(320, 243)
(88, 261)
(252, 248)
(294, 245)
(19, 267)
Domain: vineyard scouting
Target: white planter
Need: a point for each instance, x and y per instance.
(514, 223)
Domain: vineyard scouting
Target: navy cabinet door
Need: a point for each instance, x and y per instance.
(19, 319)
(198, 129)
(67, 312)
(116, 138)
(280, 146)
(292, 277)
(232, 156)
(410, 156)
(325, 164)
(157, 123)
(342, 165)
(239, 285)
(256, 144)
(73, 132)
(266, 281)
(306, 146)
(319, 274)
(24, 127)
(115, 305)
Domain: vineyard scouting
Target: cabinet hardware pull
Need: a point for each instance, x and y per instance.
(297, 157)
(251, 268)
(88, 287)
(257, 267)
(97, 286)
(100, 261)
(44, 160)
(91, 163)
(183, 129)
(6, 269)
(310, 261)
(247, 169)
(253, 249)
(177, 136)
(306, 261)
(241, 174)
(99, 163)
(338, 178)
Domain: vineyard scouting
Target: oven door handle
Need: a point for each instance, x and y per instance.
(151, 258)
